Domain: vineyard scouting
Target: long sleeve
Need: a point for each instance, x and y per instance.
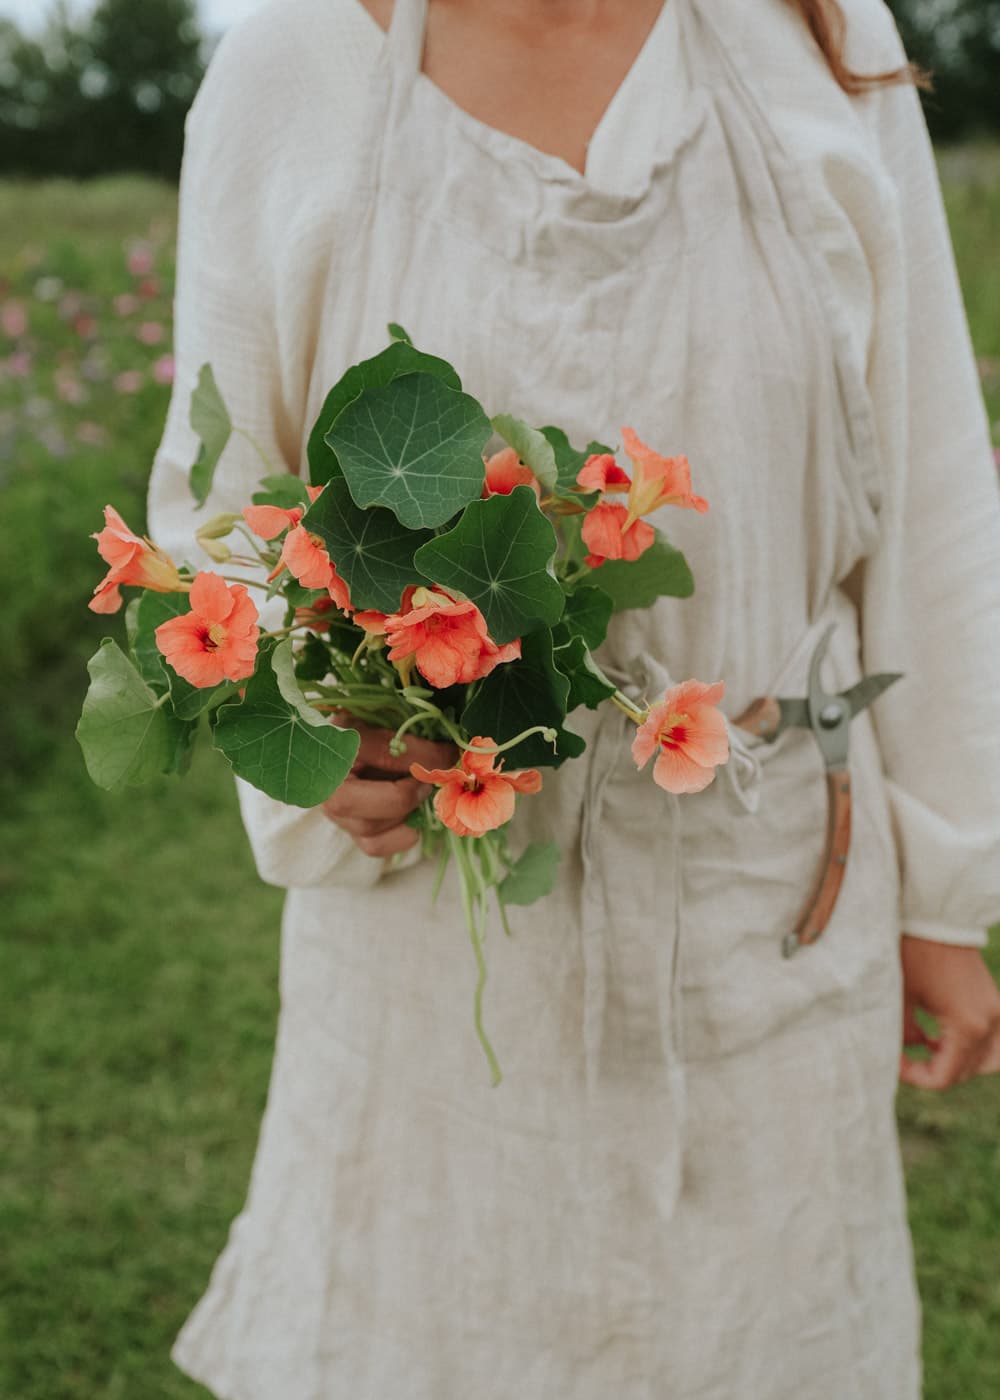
(931, 592)
(226, 315)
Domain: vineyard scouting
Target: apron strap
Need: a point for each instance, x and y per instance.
(405, 38)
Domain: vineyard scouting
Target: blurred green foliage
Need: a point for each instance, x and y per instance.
(958, 43)
(105, 93)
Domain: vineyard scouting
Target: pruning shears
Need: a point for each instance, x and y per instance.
(828, 716)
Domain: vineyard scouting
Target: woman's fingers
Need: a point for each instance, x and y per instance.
(429, 753)
(374, 800)
(954, 1058)
(953, 984)
(390, 843)
(365, 799)
(375, 752)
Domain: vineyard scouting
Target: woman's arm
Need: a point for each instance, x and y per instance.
(931, 608)
(232, 199)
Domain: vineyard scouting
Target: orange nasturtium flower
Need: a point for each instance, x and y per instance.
(217, 639)
(687, 733)
(268, 521)
(302, 552)
(304, 556)
(133, 561)
(618, 532)
(608, 534)
(446, 640)
(658, 481)
(504, 471)
(476, 796)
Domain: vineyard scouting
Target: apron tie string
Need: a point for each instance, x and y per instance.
(740, 782)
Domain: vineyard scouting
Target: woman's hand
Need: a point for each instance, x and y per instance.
(954, 985)
(374, 800)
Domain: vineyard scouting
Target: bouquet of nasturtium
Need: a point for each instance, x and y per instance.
(443, 574)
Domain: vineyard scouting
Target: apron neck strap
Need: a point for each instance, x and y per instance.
(406, 34)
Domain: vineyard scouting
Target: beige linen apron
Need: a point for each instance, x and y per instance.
(688, 1185)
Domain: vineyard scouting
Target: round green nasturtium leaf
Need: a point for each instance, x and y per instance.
(533, 874)
(396, 359)
(588, 685)
(588, 612)
(127, 735)
(276, 741)
(500, 555)
(415, 447)
(373, 552)
(525, 693)
(210, 419)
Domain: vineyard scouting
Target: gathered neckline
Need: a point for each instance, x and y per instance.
(546, 164)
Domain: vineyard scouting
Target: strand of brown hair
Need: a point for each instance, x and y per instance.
(828, 24)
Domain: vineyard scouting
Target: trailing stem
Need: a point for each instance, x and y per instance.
(474, 904)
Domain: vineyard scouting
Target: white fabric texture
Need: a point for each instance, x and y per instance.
(688, 1184)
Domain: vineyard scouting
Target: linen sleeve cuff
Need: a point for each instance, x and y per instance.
(299, 847)
(936, 932)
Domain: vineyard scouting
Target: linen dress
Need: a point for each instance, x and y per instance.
(688, 1185)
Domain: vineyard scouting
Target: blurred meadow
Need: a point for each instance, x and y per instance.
(139, 957)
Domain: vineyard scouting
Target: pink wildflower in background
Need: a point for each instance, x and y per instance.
(130, 381)
(68, 387)
(126, 304)
(151, 333)
(91, 434)
(140, 260)
(70, 305)
(13, 319)
(19, 365)
(163, 370)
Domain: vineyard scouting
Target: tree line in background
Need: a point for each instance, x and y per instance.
(108, 91)
(100, 93)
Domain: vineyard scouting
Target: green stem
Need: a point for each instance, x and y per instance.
(244, 433)
(359, 691)
(544, 729)
(418, 718)
(431, 711)
(442, 868)
(246, 582)
(470, 885)
(503, 914)
(635, 712)
(252, 542)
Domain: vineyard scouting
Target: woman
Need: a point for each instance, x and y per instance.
(689, 218)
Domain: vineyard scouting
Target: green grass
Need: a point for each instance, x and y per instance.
(139, 983)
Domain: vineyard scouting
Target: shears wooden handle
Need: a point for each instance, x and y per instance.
(816, 915)
(764, 719)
